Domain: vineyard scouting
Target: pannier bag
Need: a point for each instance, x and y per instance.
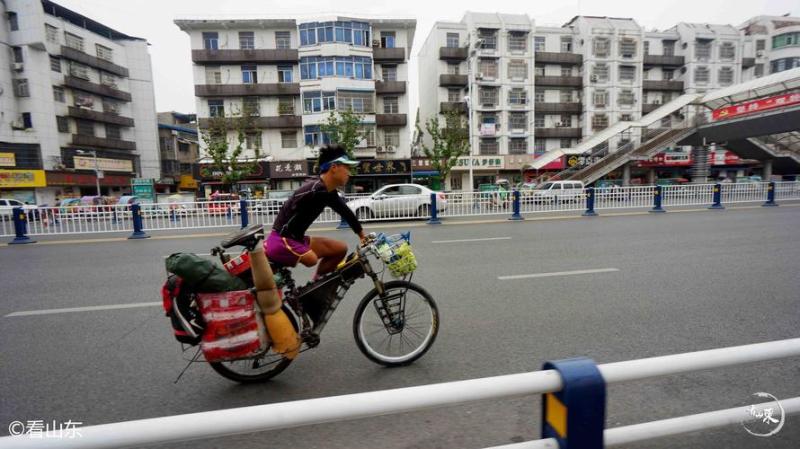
(234, 329)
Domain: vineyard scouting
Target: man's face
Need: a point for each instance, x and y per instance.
(341, 174)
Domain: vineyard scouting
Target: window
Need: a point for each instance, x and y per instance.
(21, 88)
(111, 107)
(725, 76)
(58, 94)
(454, 95)
(702, 49)
(354, 33)
(538, 121)
(566, 44)
(786, 40)
(288, 139)
(565, 143)
(727, 52)
(216, 108)
(600, 73)
(391, 137)
(626, 117)
(13, 22)
(285, 106)
(283, 40)
(602, 46)
(104, 53)
(566, 121)
(517, 69)
(285, 74)
(668, 75)
(646, 48)
(488, 68)
(213, 75)
(538, 96)
(251, 107)
(314, 67)
(538, 70)
(539, 146)
(253, 140)
(517, 146)
(627, 73)
(316, 101)
(538, 43)
(360, 102)
(391, 105)
(51, 33)
(453, 68)
(599, 121)
(518, 121)
(517, 96)
(701, 75)
(626, 98)
(489, 39)
(565, 96)
(108, 79)
(668, 48)
(183, 147)
(113, 132)
(17, 51)
(489, 146)
(250, 74)
(27, 123)
(566, 71)
(761, 44)
(627, 48)
(600, 98)
(85, 127)
(389, 72)
(73, 41)
(488, 96)
(388, 39)
(55, 64)
(79, 70)
(83, 100)
(759, 70)
(314, 136)
(784, 64)
(63, 124)
(452, 40)
(211, 40)
(517, 41)
(455, 183)
(247, 40)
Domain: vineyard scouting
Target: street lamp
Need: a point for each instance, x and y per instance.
(96, 167)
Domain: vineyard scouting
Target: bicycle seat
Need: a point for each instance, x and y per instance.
(247, 237)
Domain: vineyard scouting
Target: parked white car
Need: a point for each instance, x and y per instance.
(7, 207)
(558, 191)
(398, 201)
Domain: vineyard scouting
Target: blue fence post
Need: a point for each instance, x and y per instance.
(575, 416)
(717, 197)
(172, 214)
(770, 196)
(243, 210)
(229, 213)
(516, 216)
(657, 200)
(113, 214)
(590, 203)
(434, 213)
(20, 227)
(138, 232)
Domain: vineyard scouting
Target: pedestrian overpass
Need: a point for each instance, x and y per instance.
(771, 135)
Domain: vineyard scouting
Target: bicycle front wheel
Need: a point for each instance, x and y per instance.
(398, 328)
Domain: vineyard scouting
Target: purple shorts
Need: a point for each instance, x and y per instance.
(286, 251)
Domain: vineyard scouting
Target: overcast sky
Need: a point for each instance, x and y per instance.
(169, 47)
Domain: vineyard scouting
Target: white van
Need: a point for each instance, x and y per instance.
(7, 207)
(558, 191)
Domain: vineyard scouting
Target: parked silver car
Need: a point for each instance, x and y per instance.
(398, 201)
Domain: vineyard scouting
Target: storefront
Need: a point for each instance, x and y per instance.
(288, 175)
(676, 166)
(67, 184)
(21, 184)
(253, 184)
(518, 168)
(372, 174)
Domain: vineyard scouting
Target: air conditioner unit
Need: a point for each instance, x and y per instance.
(390, 148)
(174, 132)
(593, 78)
(379, 149)
(17, 124)
(760, 53)
(17, 66)
(479, 76)
(376, 43)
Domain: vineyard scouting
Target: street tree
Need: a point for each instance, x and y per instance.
(448, 142)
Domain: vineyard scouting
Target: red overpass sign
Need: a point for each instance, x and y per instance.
(755, 106)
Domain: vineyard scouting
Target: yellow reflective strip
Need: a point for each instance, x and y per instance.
(556, 415)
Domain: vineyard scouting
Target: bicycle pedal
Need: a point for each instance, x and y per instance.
(311, 339)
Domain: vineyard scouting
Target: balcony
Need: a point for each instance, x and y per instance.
(557, 133)
(558, 58)
(668, 61)
(390, 119)
(453, 53)
(100, 142)
(452, 80)
(245, 90)
(93, 61)
(453, 106)
(380, 54)
(558, 108)
(559, 81)
(663, 85)
(390, 87)
(261, 56)
(748, 62)
(98, 116)
(99, 89)
(273, 122)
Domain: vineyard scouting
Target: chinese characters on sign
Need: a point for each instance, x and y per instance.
(87, 163)
(396, 167)
(288, 169)
(582, 161)
(755, 106)
(480, 163)
(22, 178)
(8, 160)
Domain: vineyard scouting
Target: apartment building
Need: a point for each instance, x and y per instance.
(773, 43)
(180, 152)
(77, 103)
(290, 74)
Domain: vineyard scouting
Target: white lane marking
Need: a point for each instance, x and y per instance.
(83, 309)
(557, 273)
(472, 240)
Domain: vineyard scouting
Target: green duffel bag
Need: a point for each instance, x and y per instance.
(202, 275)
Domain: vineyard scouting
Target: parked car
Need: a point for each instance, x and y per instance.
(398, 200)
(7, 206)
(558, 191)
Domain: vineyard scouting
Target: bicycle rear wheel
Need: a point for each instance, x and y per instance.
(399, 328)
(256, 369)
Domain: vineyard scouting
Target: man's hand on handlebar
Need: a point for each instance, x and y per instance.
(366, 238)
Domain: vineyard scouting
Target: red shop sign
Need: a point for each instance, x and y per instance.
(752, 107)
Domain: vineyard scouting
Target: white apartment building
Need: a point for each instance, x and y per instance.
(291, 74)
(72, 89)
(773, 42)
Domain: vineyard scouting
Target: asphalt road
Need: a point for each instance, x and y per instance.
(685, 282)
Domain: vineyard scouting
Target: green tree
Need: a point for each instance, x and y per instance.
(448, 142)
(345, 128)
(226, 152)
